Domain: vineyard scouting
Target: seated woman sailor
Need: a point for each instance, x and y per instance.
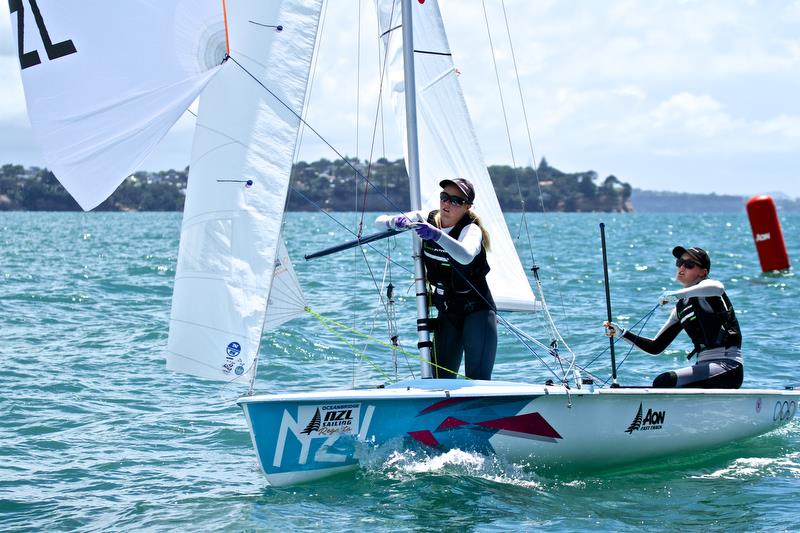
(703, 310)
(454, 246)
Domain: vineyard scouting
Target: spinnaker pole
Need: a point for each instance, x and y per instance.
(423, 324)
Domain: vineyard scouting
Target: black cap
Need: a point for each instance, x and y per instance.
(698, 254)
(464, 185)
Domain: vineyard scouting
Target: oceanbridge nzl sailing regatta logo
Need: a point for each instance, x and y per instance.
(333, 419)
(652, 420)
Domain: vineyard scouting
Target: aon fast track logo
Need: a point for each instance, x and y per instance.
(651, 421)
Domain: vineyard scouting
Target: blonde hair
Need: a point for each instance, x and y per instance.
(437, 219)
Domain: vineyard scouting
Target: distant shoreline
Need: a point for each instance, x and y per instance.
(335, 186)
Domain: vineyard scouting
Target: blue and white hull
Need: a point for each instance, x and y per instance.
(305, 436)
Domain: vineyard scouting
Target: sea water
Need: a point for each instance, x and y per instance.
(95, 433)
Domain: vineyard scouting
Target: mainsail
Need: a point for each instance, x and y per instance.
(448, 146)
(238, 181)
(104, 87)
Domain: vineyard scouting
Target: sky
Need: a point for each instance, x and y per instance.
(693, 96)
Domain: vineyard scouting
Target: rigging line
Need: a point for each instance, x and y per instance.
(499, 86)
(556, 335)
(312, 78)
(360, 222)
(515, 169)
(378, 113)
(325, 319)
(341, 337)
(646, 317)
(358, 116)
(391, 323)
(390, 30)
(533, 156)
(550, 326)
(378, 119)
(343, 226)
(381, 300)
(379, 106)
(225, 22)
(524, 116)
(430, 52)
(392, 316)
(505, 322)
(317, 133)
(544, 347)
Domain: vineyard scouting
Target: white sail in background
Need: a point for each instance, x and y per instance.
(238, 181)
(104, 87)
(448, 146)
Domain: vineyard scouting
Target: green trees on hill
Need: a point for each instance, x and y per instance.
(335, 185)
(36, 189)
(331, 185)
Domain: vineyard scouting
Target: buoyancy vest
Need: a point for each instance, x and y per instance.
(712, 325)
(450, 278)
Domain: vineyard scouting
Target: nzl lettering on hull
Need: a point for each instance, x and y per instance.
(301, 436)
(319, 429)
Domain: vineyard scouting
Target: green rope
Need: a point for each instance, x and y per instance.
(327, 323)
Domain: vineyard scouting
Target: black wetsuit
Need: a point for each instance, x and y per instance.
(466, 324)
(711, 324)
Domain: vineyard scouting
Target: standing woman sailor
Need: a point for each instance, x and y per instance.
(705, 312)
(454, 246)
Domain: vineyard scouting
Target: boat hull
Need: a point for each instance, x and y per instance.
(306, 436)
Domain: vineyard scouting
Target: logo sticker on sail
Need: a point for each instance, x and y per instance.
(231, 354)
(330, 419)
(651, 421)
(233, 349)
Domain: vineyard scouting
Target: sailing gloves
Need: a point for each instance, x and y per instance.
(399, 222)
(427, 232)
(613, 330)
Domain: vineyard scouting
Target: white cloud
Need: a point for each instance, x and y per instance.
(691, 115)
(782, 127)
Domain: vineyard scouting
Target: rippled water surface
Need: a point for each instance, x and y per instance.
(95, 434)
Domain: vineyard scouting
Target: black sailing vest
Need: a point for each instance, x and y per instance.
(714, 328)
(456, 286)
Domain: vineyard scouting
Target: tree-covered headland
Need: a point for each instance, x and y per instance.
(330, 185)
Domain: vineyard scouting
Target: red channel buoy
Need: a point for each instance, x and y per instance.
(767, 233)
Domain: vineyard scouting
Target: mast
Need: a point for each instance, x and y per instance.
(423, 333)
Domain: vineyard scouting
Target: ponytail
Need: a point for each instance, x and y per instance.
(476, 219)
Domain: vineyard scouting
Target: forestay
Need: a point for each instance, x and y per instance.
(448, 146)
(104, 87)
(238, 180)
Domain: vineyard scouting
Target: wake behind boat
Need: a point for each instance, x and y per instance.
(249, 62)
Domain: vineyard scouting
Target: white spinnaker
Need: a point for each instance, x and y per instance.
(448, 146)
(105, 81)
(238, 180)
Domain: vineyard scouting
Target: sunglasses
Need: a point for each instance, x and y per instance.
(688, 263)
(452, 200)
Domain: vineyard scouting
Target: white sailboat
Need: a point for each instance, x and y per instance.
(249, 61)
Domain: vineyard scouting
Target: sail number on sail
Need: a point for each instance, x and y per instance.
(54, 50)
